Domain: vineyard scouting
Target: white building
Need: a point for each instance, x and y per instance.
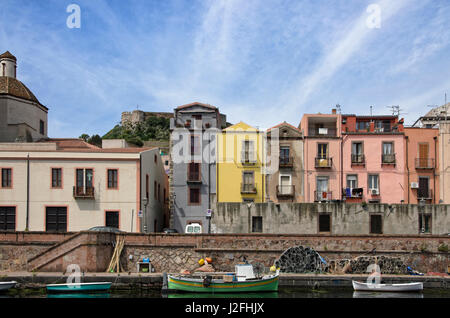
(70, 185)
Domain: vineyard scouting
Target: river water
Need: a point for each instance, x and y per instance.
(282, 293)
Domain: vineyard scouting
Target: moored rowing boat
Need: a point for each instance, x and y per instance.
(79, 287)
(406, 287)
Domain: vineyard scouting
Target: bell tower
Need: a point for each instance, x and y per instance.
(8, 65)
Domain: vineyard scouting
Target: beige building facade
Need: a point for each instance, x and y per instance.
(285, 156)
(67, 185)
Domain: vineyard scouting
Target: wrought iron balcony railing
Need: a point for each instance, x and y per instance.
(358, 159)
(83, 192)
(424, 163)
(323, 195)
(248, 188)
(323, 162)
(286, 162)
(285, 190)
(388, 159)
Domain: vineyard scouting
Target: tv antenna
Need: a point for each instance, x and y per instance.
(338, 108)
(396, 110)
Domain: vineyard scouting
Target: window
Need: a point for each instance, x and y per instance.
(376, 224)
(56, 219)
(423, 191)
(357, 152)
(248, 151)
(324, 222)
(248, 200)
(248, 181)
(41, 127)
(84, 178)
(112, 219)
(322, 189)
(284, 155)
(155, 190)
(56, 178)
(322, 151)
(388, 152)
(352, 181)
(84, 183)
(7, 218)
(195, 145)
(373, 182)
(159, 192)
(257, 224)
(424, 223)
(113, 177)
(362, 125)
(194, 171)
(194, 196)
(6, 177)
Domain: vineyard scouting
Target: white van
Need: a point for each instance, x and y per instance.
(193, 228)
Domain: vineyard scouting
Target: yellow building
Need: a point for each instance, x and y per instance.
(240, 164)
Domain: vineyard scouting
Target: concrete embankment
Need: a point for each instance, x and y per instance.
(154, 280)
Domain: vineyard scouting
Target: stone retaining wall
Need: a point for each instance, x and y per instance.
(174, 252)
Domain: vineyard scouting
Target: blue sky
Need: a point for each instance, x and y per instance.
(259, 61)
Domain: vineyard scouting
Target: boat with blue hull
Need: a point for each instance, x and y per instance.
(78, 287)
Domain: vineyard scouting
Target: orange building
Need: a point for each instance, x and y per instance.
(422, 162)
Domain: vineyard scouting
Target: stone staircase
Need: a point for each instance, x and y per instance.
(82, 249)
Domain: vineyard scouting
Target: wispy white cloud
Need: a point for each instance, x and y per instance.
(262, 62)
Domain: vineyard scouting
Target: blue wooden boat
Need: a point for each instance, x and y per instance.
(78, 287)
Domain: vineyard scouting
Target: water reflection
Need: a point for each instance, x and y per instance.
(79, 295)
(222, 295)
(370, 294)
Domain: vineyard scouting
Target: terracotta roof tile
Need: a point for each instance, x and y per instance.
(14, 87)
(8, 55)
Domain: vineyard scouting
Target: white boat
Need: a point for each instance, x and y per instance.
(407, 287)
(7, 285)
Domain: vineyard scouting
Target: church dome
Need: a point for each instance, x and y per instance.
(14, 87)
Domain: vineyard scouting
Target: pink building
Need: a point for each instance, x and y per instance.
(373, 159)
(354, 158)
(322, 156)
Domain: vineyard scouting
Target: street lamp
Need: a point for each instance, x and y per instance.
(422, 209)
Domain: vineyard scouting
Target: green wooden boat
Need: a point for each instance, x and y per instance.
(242, 281)
(78, 287)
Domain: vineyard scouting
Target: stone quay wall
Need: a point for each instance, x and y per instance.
(344, 218)
(176, 252)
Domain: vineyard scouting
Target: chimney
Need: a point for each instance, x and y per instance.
(333, 111)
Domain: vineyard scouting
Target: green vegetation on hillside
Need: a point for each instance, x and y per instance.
(153, 128)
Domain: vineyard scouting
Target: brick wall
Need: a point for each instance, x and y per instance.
(174, 252)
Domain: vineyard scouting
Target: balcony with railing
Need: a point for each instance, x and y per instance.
(388, 159)
(358, 160)
(322, 132)
(321, 162)
(353, 193)
(323, 195)
(248, 157)
(424, 163)
(286, 162)
(194, 176)
(426, 194)
(83, 192)
(285, 190)
(248, 188)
